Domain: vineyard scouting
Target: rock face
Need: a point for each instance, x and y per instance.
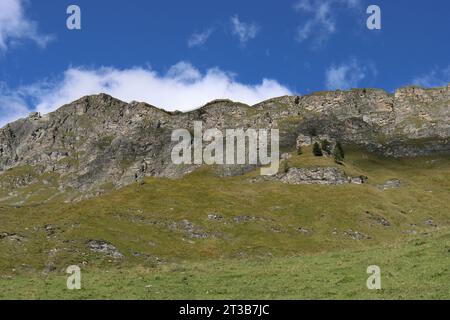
(304, 140)
(317, 175)
(326, 176)
(98, 140)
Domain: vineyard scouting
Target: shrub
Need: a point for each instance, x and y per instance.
(284, 167)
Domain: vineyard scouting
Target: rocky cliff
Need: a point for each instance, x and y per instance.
(99, 139)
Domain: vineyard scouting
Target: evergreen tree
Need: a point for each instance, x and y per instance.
(338, 153)
(317, 151)
(326, 146)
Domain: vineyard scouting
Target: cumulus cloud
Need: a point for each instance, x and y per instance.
(321, 21)
(348, 75)
(198, 39)
(244, 31)
(183, 87)
(16, 27)
(435, 78)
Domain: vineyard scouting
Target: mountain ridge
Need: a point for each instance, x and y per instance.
(225, 100)
(99, 139)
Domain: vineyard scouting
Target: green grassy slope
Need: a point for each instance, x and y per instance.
(415, 269)
(221, 233)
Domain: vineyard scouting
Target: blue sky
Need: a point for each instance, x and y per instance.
(181, 54)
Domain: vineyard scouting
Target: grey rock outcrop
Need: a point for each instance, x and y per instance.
(325, 175)
(104, 247)
(391, 184)
(315, 175)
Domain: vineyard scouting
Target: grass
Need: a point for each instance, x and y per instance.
(253, 250)
(416, 269)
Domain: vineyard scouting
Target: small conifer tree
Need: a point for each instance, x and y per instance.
(338, 153)
(326, 146)
(317, 151)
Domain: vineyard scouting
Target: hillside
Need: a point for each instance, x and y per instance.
(92, 185)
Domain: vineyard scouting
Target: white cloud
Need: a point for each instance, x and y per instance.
(348, 75)
(12, 105)
(16, 27)
(198, 39)
(321, 22)
(244, 31)
(435, 78)
(183, 87)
